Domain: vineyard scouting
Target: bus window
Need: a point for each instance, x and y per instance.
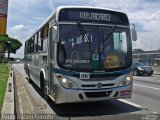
(46, 31)
(120, 41)
(116, 37)
(29, 45)
(45, 45)
(44, 41)
(42, 33)
(35, 43)
(39, 41)
(124, 41)
(32, 44)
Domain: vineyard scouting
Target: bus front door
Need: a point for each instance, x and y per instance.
(51, 63)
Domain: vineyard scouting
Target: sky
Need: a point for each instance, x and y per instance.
(25, 16)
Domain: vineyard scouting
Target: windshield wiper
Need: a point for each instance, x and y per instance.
(110, 32)
(83, 32)
(81, 29)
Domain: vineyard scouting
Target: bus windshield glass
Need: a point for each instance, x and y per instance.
(89, 48)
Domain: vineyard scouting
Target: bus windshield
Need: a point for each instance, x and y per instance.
(90, 48)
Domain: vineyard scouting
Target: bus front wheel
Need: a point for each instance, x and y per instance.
(29, 78)
(42, 87)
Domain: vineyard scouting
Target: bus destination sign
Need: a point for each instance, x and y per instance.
(93, 15)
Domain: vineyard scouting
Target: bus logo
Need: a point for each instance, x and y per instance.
(99, 85)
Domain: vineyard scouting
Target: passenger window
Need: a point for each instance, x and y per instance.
(45, 45)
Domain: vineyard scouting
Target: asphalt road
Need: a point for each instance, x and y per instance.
(145, 99)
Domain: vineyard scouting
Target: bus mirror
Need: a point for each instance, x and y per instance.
(134, 32)
(134, 35)
(54, 34)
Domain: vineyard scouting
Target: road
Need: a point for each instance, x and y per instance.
(145, 99)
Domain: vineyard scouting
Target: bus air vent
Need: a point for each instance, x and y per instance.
(97, 94)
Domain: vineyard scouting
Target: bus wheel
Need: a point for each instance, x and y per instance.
(43, 90)
(29, 78)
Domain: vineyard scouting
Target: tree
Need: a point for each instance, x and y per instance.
(11, 44)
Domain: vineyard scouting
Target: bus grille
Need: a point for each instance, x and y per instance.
(94, 85)
(101, 78)
(97, 94)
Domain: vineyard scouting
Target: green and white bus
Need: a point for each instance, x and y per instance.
(82, 54)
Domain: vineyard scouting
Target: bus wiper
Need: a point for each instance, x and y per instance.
(83, 32)
(110, 32)
(81, 29)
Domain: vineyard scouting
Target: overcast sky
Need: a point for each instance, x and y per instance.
(24, 17)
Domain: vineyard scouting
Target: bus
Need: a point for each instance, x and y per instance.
(82, 54)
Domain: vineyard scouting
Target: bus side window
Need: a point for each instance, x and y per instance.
(45, 38)
(46, 27)
(29, 46)
(45, 45)
(39, 41)
(51, 44)
(35, 43)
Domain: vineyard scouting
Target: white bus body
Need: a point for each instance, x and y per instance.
(68, 59)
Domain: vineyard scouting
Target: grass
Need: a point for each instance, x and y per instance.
(3, 82)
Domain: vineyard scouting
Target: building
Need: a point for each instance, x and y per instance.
(148, 57)
(3, 24)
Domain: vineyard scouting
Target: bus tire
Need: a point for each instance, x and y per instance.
(42, 87)
(29, 78)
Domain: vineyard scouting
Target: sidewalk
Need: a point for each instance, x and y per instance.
(8, 104)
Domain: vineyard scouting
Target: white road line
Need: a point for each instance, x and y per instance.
(155, 112)
(147, 86)
(130, 103)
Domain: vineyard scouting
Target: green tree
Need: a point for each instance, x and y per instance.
(11, 44)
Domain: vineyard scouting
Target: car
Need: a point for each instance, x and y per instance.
(140, 68)
(18, 61)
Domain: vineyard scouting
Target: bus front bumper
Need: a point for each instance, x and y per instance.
(64, 95)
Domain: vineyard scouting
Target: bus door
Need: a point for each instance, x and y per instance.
(51, 62)
(51, 56)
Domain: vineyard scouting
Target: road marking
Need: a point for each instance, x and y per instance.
(147, 86)
(130, 103)
(155, 112)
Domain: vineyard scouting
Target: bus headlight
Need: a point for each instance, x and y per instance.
(127, 80)
(66, 82)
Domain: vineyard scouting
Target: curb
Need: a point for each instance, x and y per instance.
(8, 107)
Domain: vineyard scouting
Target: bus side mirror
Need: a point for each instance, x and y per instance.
(133, 32)
(55, 34)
